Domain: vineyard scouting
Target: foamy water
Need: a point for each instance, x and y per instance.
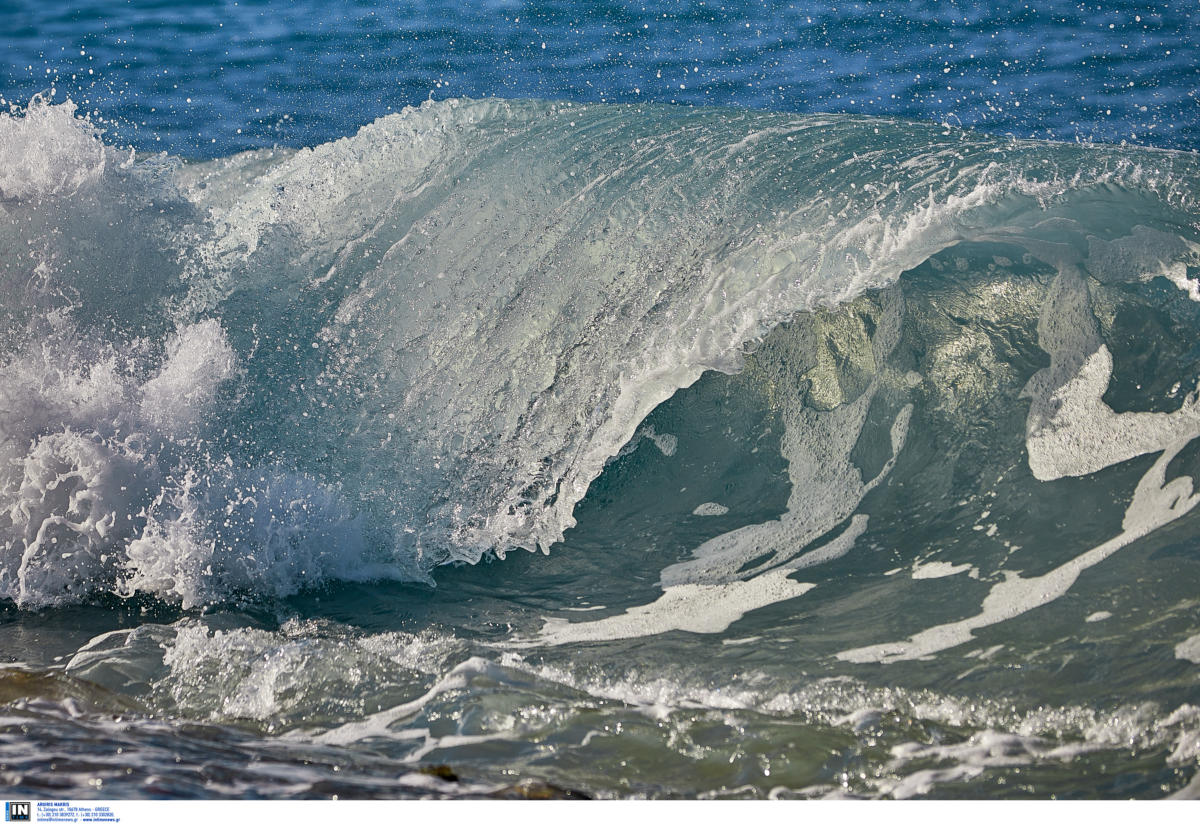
(855, 457)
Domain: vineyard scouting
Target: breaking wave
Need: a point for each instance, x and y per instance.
(423, 343)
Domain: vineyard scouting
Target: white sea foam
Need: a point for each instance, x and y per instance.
(689, 607)
(938, 569)
(1156, 502)
(379, 724)
(197, 362)
(317, 682)
(304, 673)
(411, 220)
(266, 532)
(75, 468)
(702, 608)
(826, 485)
(96, 493)
(1083, 434)
(1189, 649)
(749, 568)
(1072, 432)
(1145, 253)
(47, 151)
(997, 734)
(495, 319)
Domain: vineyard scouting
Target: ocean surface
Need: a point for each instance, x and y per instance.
(674, 400)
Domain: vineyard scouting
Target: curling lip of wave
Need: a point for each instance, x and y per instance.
(444, 326)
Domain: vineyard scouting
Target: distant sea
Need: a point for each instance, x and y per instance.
(835, 364)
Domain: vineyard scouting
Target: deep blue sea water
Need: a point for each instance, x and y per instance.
(210, 78)
(836, 364)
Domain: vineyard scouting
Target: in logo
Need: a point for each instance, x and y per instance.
(16, 810)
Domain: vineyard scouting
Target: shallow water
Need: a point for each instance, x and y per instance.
(859, 449)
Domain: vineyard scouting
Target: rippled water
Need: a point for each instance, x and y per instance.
(855, 450)
(210, 78)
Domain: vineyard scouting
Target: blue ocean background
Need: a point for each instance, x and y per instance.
(206, 79)
(560, 400)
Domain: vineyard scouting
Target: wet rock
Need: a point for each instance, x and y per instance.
(532, 790)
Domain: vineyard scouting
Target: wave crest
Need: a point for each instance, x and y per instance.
(427, 340)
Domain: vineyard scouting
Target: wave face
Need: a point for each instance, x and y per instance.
(422, 344)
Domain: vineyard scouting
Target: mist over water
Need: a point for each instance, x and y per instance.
(854, 453)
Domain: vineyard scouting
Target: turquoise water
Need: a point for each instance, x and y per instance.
(853, 449)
